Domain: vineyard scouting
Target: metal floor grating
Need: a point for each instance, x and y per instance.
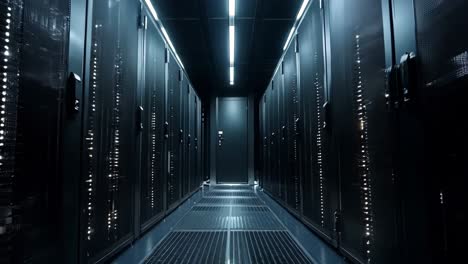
(191, 247)
(229, 226)
(230, 194)
(206, 218)
(231, 187)
(254, 201)
(254, 218)
(227, 217)
(265, 247)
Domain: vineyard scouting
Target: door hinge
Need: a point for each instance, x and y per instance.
(166, 55)
(321, 4)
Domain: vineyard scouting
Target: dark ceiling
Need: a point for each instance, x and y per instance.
(199, 32)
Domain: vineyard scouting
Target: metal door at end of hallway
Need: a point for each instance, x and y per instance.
(231, 141)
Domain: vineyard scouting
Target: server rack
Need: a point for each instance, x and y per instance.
(377, 104)
(153, 111)
(292, 124)
(84, 134)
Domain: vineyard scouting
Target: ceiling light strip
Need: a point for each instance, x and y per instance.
(303, 8)
(293, 30)
(232, 39)
(163, 30)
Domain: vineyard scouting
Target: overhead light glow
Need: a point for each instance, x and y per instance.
(166, 36)
(231, 45)
(232, 8)
(152, 10)
(232, 39)
(231, 73)
(293, 29)
(303, 7)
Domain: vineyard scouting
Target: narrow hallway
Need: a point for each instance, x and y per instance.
(231, 223)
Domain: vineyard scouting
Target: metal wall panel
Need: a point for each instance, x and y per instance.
(152, 180)
(110, 129)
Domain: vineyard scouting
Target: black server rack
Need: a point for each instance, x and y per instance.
(373, 134)
(87, 129)
(152, 111)
(319, 181)
(31, 35)
(283, 133)
(431, 62)
(109, 129)
(367, 221)
(175, 133)
(184, 127)
(10, 35)
(292, 126)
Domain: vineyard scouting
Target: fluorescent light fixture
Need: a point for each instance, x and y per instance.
(232, 8)
(293, 29)
(152, 10)
(166, 36)
(303, 7)
(231, 73)
(231, 44)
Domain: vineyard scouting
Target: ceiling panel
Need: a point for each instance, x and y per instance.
(199, 31)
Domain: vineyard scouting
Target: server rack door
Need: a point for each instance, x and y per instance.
(152, 132)
(263, 142)
(10, 66)
(433, 167)
(30, 120)
(175, 133)
(282, 142)
(319, 183)
(267, 179)
(361, 123)
(195, 165)
(200, 142)
(184, 147)
(292, 115)
(274, 138)
(110, 132)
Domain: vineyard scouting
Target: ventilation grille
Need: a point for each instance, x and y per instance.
(254, 218)
(206, 218)
(265, 247)
(191, 247)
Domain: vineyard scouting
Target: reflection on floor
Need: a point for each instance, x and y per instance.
(229, 224)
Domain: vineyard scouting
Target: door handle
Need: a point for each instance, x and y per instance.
(327, 116)
(181, 136)
(283, 133)
(139, 118)
(166, 130)
(73, 103)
